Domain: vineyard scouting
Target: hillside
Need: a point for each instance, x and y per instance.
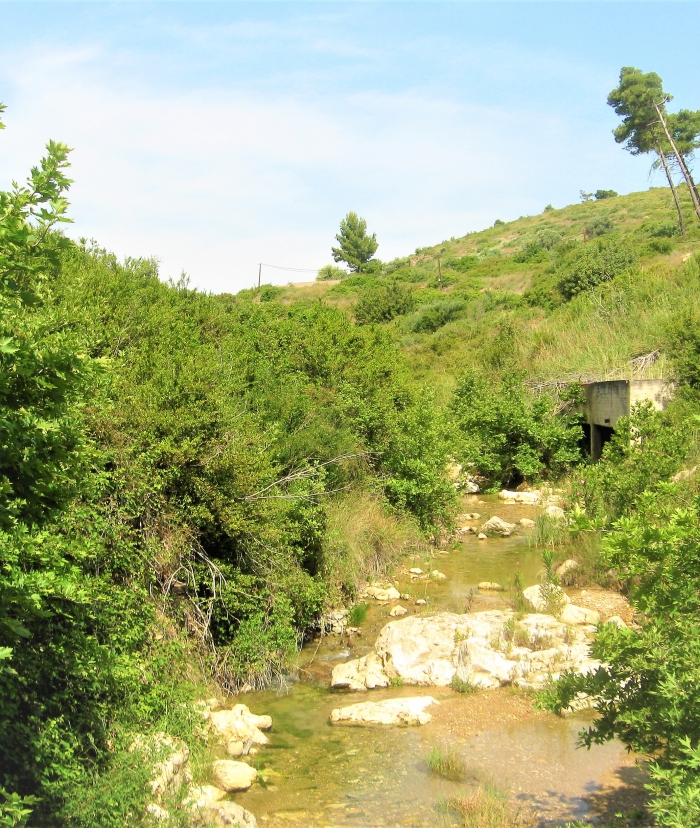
(495, 304)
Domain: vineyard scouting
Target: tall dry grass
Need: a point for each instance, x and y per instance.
(364, 540)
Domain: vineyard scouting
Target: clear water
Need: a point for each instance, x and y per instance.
(315, 774)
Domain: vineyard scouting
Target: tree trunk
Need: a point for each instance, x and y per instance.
(681, 162)
(664, 163)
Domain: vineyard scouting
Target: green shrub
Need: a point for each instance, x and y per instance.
(433, 316)
(508, 434)
(644, 451)
(462, 264)
(600, 226)
(599, 195)
(329, 272)
(593, 263)
(268, 293)
(647, 690)
(663, 246)
(382, 302)
(357, 614)
(461, 686)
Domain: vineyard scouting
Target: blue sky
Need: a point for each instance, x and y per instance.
(214, 136)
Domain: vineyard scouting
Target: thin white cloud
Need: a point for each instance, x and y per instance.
(213, 180)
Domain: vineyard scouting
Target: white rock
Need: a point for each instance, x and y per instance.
(240, 725)
(383, 593)
(481, 536)
(230, 813)
(440, 576)
(526, 523)
(617, 621)
(171, 769)
(555, 513)
(407, 711)
(574, 615)
(416, 571)
(420, 602)
(470, 487)
(235, 748)
(364, 673)
(497, 526)
(491, 586)
(203, 796)
(477, 647)
(398, 611)
(157, 812)
(233, 776)
(528, 498)
(533, 594)
(568, 566)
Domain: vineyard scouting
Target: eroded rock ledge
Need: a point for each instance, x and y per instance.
(487, 649)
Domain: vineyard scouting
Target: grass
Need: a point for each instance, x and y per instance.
(548, 532)
(485, 808)
(596, 334)
(448, 764)
(364, 541)
(461, 686)
(357, 614)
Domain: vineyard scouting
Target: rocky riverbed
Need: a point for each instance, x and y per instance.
(356, 755)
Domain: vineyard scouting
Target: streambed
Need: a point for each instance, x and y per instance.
(315, 774)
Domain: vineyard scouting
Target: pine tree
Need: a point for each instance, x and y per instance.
(356, 247)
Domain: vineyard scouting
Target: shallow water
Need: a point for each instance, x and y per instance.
(315, 774)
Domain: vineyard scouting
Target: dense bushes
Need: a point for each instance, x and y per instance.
(507, 434)
(648, 690)
(383, 301)
(593, 263)
(159, 442)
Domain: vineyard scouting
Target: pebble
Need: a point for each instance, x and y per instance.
(481, 536)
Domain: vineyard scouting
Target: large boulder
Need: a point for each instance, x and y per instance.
(408, 711)
(233, 776)
(239, 725)
(497, 526)
(382, 593)
(230, 813)
(487, 649)
(364, 673)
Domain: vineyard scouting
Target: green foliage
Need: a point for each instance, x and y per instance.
(356, 247)
(593, 263)
(328, 272)
(461, 686)
(357, 614)
(663, 246)
(509, 434)
(446, 763)
(648, 689)
(683, 343)
(383, 301)
(600, 195)
(435, 315)
(645, 450)
(463, 264)
(600, 226)
(268, 293)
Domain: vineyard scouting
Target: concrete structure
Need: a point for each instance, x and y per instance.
(607, 401)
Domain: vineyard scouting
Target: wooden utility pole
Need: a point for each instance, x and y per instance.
(439, 273)
(259, 273)
(585, 235)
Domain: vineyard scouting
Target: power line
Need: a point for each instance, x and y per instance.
(295, 269)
